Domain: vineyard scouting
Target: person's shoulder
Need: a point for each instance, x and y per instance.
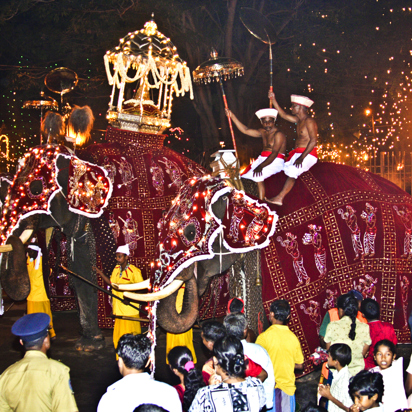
(58, 366)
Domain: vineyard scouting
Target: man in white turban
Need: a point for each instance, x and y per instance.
(305, 153)
(123, 273)
(271, 160)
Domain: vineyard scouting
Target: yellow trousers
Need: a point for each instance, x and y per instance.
(181, 339)
(43, 307)
(121, 327)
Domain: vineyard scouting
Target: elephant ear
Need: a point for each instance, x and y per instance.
(89, 187)
(14, 276)
(248, 225)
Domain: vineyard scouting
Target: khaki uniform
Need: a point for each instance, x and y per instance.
(37, 301)
(130, 275)
(36, 384)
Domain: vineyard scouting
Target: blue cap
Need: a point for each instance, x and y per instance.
(356, 294)
(31, 327)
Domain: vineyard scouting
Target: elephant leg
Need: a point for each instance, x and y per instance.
(92, 338)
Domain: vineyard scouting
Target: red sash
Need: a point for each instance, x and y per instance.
(266, 153)
(314, 152)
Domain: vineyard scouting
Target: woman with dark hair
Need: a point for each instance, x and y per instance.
(349, 330)
(231, 391)
(181, 362)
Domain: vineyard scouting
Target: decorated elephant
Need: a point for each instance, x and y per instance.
(203, 233)
(53, 188)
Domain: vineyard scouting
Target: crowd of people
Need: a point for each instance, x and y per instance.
(362, 370)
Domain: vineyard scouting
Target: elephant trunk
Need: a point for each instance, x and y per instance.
(14, 276)
(170, 319)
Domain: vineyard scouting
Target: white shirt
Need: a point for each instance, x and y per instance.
(340, 389)
(394, 396)
(138, 388)
(260, 356)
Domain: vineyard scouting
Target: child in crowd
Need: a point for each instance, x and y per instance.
(213, 330)
(392, 373)
(181, 362)
(340, 356)
(350, 331)
(378, 330)
(366, 390)
(237, 305)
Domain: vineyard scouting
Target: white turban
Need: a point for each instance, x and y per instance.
(302, 100)
(267, 113)
(123, 249)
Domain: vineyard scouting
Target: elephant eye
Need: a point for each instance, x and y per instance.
(36, 187)
(190, 232)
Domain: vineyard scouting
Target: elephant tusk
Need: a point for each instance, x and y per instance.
(24, 237)
(161, 294)
(132, 286)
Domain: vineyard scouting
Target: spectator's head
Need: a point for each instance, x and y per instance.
(134, 352)
(311, 407)
(228, 355)
(348, 306)
(149, 407)
(236, 325)
(366, 389)
(212, 330)
(235, 305)
(384, 353)
(181, 361)
(279, 311)
(370, 309)
(357, 295)
(33, 332)
(339, 353)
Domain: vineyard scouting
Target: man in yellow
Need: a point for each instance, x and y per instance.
(37, 301)
(123, 273)
(285, 353)
(36, 383)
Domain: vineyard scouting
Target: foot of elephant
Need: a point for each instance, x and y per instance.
(90, 344)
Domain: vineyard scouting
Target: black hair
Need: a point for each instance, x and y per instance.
(36, 344)
(384, 342)
(134, 350)
(280, 309)
(350, 308)
(236, 306)
(213, 330)
(229, 355)
(235, 325)
(340, 300)
(342, 353)
(367, 383)
(370, 309)
(311, 407)
(178, 357)
(149, 407)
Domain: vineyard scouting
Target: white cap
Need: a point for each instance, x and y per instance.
(267, 113)
(123, 249)
(302, 100)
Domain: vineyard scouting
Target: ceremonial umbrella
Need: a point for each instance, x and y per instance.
(260, 27)
(219, 69)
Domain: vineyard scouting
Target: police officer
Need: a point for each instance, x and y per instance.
(36, 383)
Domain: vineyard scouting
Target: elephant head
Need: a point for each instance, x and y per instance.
(208, 225)
(52, 188)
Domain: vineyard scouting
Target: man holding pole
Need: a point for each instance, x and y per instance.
(123, 273)
(271, 160)
(305, 154)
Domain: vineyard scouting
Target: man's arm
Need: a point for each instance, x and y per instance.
(279, 138)
(282, 113)
(242, 128)
(262, 375)
(312, 129)
(299, 366)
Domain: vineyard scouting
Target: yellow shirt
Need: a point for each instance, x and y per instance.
(284, 351)
(37, 290)
(36, 384)
(130, 275)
